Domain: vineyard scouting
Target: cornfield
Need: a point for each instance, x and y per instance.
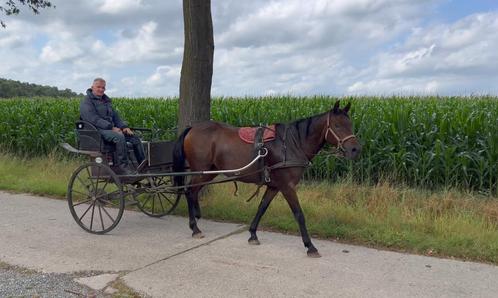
(417, 141)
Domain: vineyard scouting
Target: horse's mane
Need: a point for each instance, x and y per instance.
(303, 126)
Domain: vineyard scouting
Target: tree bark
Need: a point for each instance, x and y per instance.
(197, 66)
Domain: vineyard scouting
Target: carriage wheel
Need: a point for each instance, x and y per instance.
(160, 202)
(95, 198)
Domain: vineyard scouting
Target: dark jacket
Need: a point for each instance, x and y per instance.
(99, 112)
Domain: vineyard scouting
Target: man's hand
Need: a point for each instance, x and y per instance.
(128, 131)
(116, 129)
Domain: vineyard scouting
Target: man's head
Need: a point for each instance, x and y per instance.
(98, 87)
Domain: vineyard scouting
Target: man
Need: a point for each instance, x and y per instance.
(96, 108)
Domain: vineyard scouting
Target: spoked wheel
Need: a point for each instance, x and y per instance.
(95, 198)
(155, 199)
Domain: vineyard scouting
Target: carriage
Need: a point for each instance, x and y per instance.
(97, 195)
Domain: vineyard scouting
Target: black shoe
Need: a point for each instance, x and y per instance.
(124, 170)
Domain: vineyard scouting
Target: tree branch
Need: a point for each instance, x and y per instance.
(11, 7)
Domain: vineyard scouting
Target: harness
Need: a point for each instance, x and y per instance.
(340, 141)
(288, 137)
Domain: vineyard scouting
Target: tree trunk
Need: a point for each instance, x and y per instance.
(197, 67)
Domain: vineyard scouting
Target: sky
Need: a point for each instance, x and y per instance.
(262, 47)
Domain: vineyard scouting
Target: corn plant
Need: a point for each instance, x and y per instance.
(419, 141)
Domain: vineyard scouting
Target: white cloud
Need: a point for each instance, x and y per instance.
(164, 73)
(321, 23)
(145, 45)
(119, 6)
(405, 62)
(13, 41)
(446, 59)
(395, 87)
(57, 51)
(261, 47)
(305, 47)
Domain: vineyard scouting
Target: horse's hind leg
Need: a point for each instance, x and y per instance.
(263, 205)
(191, 215)
(291, 197)
(194, 210)
(195, 202)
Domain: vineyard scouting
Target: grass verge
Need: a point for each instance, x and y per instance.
(445, 223)
(41, 176)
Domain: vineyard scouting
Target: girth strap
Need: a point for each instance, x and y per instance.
(258, 145)
(290, 164)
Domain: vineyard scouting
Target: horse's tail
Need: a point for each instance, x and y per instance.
(179, 158)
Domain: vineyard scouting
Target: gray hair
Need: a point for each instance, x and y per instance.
(98, 80)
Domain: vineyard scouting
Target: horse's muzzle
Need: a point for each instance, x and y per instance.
(352, 149)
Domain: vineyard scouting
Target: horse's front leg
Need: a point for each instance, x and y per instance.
(291, 197)
(263, 205)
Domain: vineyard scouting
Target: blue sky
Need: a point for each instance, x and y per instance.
(452, 10)
(301, 47)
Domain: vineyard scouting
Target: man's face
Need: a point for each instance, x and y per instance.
(98, 88)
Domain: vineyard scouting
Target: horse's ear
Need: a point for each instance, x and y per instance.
(347, 107)
(336, 107)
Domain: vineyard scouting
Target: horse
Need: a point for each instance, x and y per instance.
(214, 145)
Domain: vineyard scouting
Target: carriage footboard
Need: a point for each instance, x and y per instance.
(74, 150)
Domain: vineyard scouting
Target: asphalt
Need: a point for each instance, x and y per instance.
(159, 258)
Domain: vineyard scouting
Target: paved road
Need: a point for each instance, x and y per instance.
(157, 257)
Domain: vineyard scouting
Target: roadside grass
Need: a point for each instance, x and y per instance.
(37, 175)
(123, 290)
(444, 223)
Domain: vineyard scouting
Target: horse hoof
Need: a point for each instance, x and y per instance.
(254, 242)
(198, 235)
(314, 254)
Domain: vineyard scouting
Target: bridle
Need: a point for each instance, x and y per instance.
(340, 142)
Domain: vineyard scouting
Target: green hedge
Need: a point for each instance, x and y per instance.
(419, 141)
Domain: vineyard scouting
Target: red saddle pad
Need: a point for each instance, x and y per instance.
(247, 134)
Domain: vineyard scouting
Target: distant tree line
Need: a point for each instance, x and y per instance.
(11, 88)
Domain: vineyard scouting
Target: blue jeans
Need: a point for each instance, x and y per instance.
(120, 139)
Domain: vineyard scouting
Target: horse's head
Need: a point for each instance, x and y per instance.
(339, 132)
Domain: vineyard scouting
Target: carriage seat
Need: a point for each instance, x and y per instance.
(89, 138)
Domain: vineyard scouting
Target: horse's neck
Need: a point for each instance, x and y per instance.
(313, 140)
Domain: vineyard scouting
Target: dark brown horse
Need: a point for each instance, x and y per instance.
(216, 146)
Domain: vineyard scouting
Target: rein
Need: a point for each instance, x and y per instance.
(340, 142)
